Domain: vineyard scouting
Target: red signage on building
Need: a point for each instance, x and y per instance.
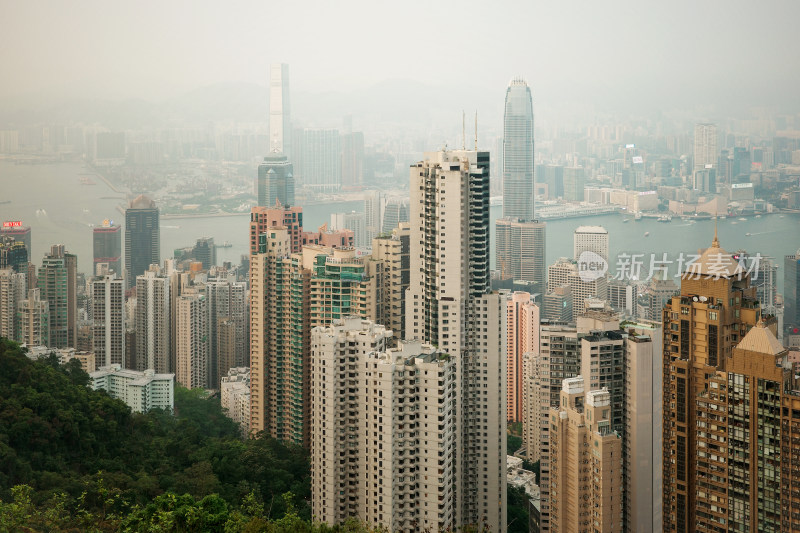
(13, 224)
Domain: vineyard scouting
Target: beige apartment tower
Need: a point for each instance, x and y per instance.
(383, 431)
(715, 309)
(191, 359)
(585, 463)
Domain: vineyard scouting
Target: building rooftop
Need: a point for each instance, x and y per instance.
(761, 339)
(142, 202)
(715, 261)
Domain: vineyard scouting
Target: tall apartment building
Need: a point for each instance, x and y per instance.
(391, 253)
(191, 344)
(290, 294)
(12, 291)
(58, 281)
(13, 253)
(585, 462)
(225, 302)
(291, 218)
(153, 322)
(520, 250)
(33, 320)
(603, 367)
(713, 312)
(142, 237)
(791, 292)
(393, 410)
(271, 247)
(643, 427)
(518, 168)
(705, 145)
(234, 393)
(107, 247)
(108, 320)
(18, 232)
(522, 337)
(590, 239)
(275, 181)
(447, 305)
(532, 368)
(141, 391)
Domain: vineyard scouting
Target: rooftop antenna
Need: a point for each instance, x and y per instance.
(476, 130)
(463, 130)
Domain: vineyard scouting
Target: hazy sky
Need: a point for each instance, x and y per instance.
(668, 52)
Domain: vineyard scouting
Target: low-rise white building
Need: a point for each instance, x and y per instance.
(141, 391)
(234, 393)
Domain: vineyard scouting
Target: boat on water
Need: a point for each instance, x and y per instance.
(758, 216)
(664, 218)
(747, 234)
(743, 219)
(646, 233)
(624, 220)
(637, 216)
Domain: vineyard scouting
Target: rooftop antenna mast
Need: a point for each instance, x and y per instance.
(463, 130)
(476, 130)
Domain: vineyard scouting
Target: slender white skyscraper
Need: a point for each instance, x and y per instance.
(705, 145)
(518, 192)
(280, 124)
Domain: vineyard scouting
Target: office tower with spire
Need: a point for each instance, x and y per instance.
(518, 168)
(153, 331)
(142, 238)
(107, 247)
(275, 181)
(58, 281)
(280, 121)
(108, 320)
(520, 238)
(713, 313)
(448, 305)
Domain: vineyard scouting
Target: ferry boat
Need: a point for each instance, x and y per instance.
(664, 218)
(637, 216)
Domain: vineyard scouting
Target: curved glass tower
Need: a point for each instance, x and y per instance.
(518, 152)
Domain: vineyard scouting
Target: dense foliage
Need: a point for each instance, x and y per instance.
(74, 447)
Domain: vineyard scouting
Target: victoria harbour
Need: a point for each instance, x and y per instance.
(64, 211)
